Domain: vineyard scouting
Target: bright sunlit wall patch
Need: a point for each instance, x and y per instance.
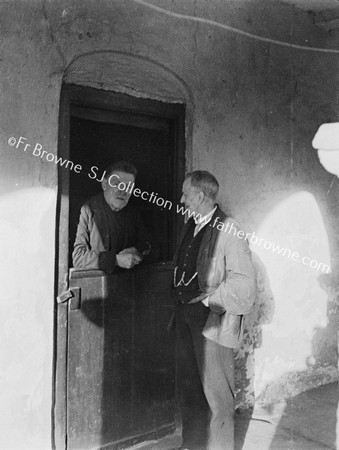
(300, 303)
(27, 259)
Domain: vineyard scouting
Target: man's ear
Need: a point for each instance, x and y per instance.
(104, 184)
(201, 197)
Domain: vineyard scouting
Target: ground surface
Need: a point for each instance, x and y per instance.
(304, 422)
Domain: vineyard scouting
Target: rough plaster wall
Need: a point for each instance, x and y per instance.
(253, 109)
(29, 104)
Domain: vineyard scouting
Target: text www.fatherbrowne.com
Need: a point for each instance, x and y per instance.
(153, 197)
(228, 227)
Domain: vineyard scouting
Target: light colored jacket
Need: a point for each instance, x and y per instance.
(226, 274)
(96, 244)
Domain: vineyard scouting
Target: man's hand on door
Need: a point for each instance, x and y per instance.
(128, 258)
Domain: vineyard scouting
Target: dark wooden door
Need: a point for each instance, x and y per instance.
(114, 371)
(121, 358)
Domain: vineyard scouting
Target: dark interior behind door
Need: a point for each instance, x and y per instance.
(148, 145)
(119, 356)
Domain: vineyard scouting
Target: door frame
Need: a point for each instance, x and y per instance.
(77, 95)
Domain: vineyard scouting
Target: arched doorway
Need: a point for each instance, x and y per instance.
(114, 362)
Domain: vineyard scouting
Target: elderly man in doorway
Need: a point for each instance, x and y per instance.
(110, 234)
(214, 288)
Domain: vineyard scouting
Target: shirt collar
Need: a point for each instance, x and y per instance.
(206, 218)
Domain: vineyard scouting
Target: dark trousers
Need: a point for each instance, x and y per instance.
(205, 383)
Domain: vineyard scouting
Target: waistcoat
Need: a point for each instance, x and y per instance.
(187, 265)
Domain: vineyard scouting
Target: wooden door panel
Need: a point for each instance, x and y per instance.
(154, 354)
(117, 394)
(120, 358)
(100, 362)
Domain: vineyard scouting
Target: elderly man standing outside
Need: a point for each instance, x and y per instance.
(110, 234)
(214, 288)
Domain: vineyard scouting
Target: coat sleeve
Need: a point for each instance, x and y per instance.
(86, 254)
(237, 291)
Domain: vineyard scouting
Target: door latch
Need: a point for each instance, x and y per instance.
(73, 295)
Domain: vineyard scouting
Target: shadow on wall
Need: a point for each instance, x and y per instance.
(325, 343)
(299, 345)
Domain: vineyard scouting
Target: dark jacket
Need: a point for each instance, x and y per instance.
(101, 234)
(227, 276)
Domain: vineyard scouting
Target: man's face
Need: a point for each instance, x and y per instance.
(191, 196)
(115, 189)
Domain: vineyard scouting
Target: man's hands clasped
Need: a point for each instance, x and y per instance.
(128, 258)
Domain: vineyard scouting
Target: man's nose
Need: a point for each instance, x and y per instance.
(123, 191)
(182, 199)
